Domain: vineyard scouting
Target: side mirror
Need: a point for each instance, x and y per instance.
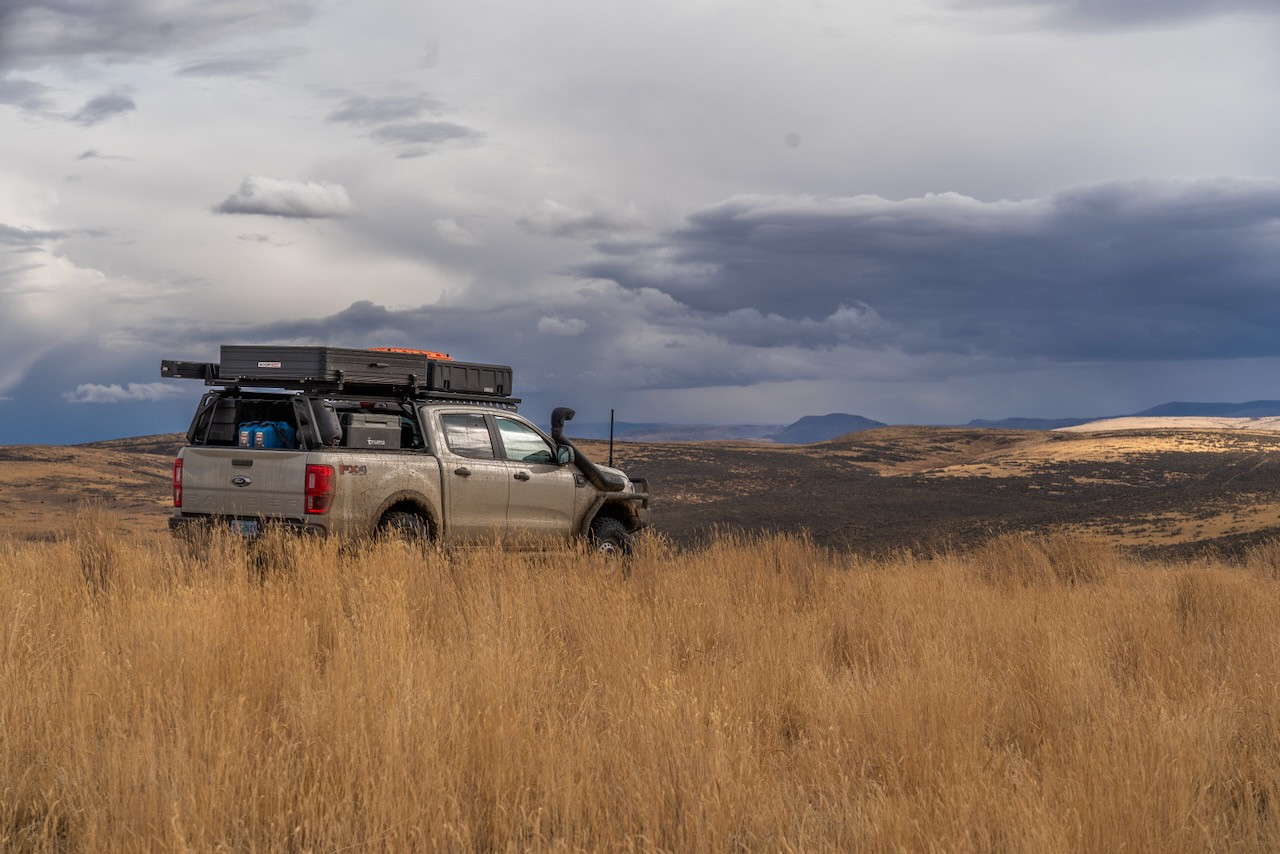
(564, 455)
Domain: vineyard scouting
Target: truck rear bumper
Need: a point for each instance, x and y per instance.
(250, 527)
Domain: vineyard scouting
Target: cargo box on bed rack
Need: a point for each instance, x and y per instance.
(338, 367)
(255, 363)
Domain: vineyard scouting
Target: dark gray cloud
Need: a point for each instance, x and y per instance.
(103, 107)
(39, 32)
(1112, 271)
(396, 120)
(94, 154)
(242, 64)
(1112, 14)
(35, 98)
(429, 135)
(25, 94)
(263, 239)
(369, 110)
(21, 237)
(287, 198)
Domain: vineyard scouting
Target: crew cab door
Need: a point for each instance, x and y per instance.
(542, 492)
(475, 481)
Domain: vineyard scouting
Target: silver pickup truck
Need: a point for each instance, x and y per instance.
(416, 465)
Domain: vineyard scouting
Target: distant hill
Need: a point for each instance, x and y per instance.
(820, 428)
(166, 444)
(630, 431)
(809, 429)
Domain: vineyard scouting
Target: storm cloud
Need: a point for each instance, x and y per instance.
(287, 198)
(1116, 270)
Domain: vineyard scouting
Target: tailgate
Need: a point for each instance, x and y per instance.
(243, 482)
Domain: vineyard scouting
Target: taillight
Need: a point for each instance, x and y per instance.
(319, 489)
(177, 482)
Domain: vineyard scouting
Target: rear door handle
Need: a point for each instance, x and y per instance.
(462, 471)
(521, 475)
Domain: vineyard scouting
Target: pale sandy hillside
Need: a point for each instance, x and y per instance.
(1179, 422)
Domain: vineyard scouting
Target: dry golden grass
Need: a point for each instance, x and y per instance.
(1036, 695)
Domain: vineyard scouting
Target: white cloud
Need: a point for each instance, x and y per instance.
(287, 198)
(116, 393)
(556, 219)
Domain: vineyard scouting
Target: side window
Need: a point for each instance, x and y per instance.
(467, 435)
(522, 443)
(409, 435)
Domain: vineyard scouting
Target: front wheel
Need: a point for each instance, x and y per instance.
(609, 537)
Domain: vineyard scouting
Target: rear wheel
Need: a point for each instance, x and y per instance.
(609, 537)
(405, 526)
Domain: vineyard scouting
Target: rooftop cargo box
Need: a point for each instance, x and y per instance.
(265, 365)
(256, 362)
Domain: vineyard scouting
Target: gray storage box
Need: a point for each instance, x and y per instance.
(258, 363)
(373, 430)
(470, 378)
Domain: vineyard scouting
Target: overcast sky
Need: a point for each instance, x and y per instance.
(923, 211)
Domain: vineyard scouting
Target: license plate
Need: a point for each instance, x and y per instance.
(245, 528)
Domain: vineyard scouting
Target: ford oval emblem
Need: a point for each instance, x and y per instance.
(241, 480)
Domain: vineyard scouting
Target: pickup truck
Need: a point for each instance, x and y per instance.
(356, 464)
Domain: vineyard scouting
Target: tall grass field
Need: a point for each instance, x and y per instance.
(751, 695)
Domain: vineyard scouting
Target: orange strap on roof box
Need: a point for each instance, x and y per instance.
(430, 354)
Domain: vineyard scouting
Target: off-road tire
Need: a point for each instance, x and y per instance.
(609, 537)
(405, 526)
